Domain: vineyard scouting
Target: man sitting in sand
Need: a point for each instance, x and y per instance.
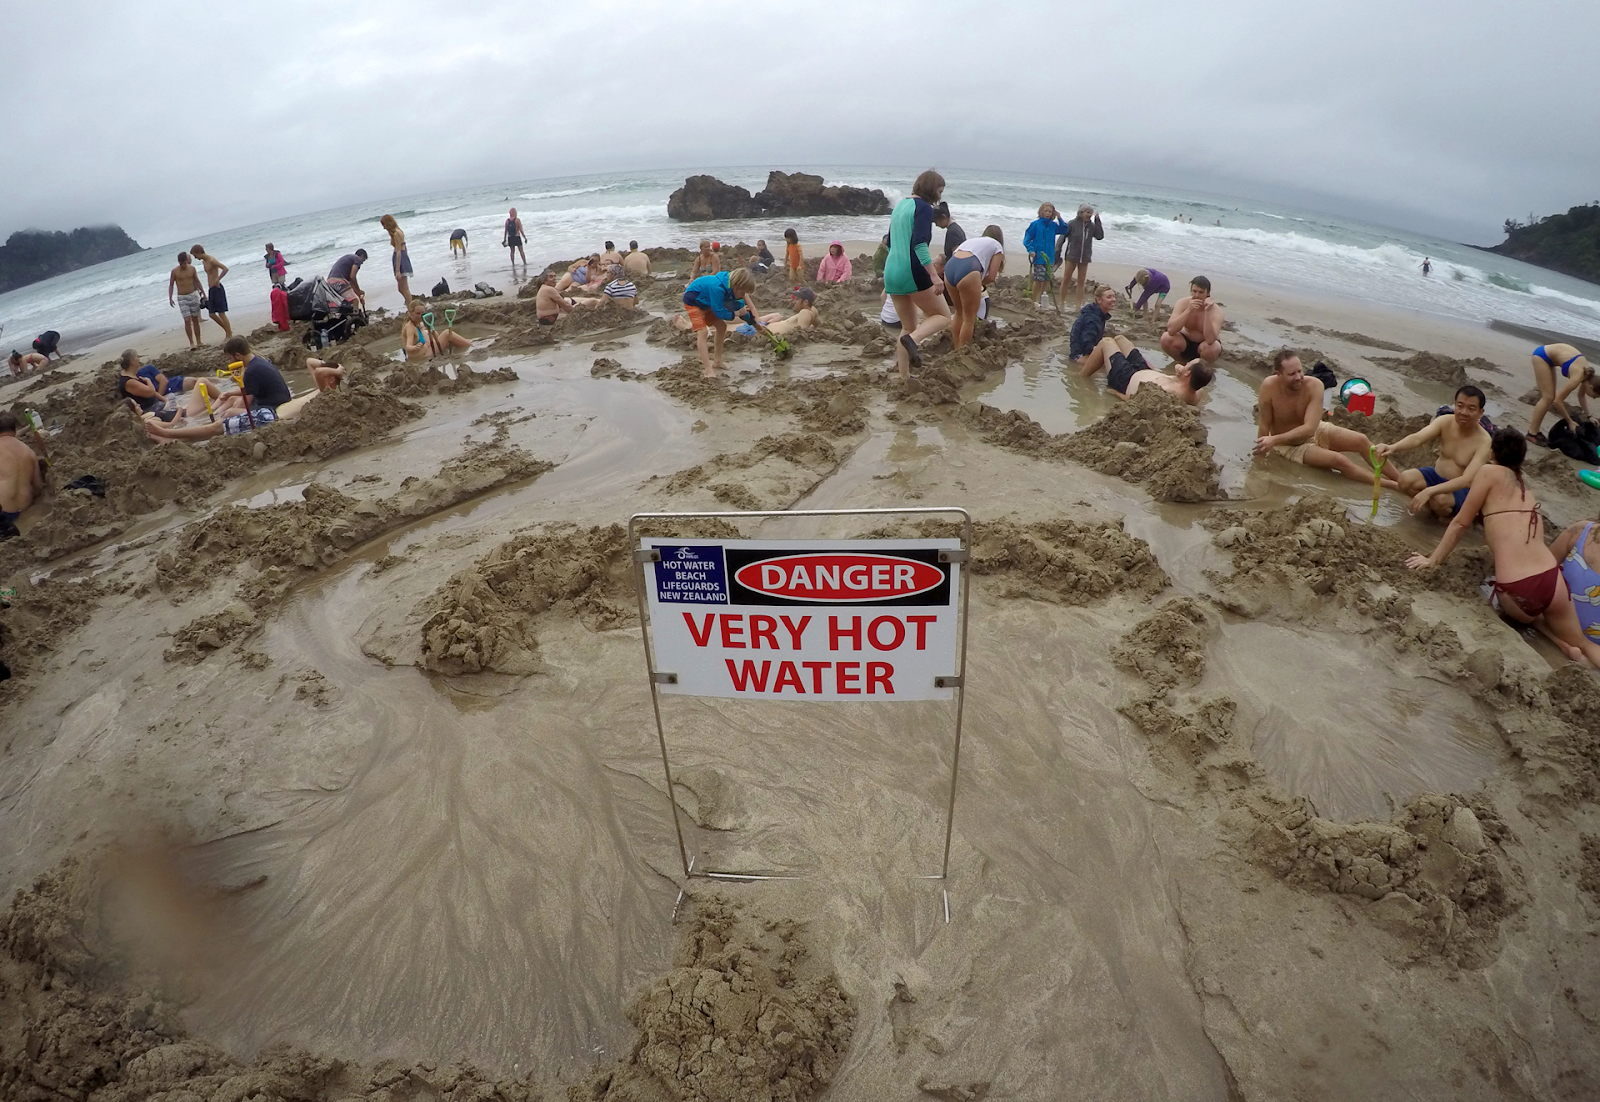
(1289, 424)
(1464, 446)
(268, 394)
(804, 316)
(23, 362)
(21, 477)
(1127, 371)
(1195, 328)
(637, 262)
(549, 303)
(422, 341)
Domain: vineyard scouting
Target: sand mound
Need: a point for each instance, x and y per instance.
(1064, 560)
(1168, 648)
(745, 1013)
(415, 380)
(776, 472)
(1436, 368)
(1340, 334)
(280, 544)
(32, 629)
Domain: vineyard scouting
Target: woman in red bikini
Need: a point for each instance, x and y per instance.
(1527, 580)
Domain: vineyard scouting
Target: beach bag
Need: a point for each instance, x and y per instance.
(1570, 444)
(1323, 373)
(441, 288)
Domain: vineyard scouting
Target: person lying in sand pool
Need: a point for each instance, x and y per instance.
(1463, 448)
(21, 477)
(1578, 551)
(1195, 328)
(23, 362)
(1154, 284)
(1576, 373)
(268, 394)
(713, 301)
(1528, 581)
(1083, 345)
(968, 272)
(804, 316)
(146, 389)
(1127, 371)
(422, 341)
(1289, 424)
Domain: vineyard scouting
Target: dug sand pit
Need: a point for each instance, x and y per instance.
(745, 1013)
(416, 380)
(1167, 649)
(774, 474)
(1435, 368)
(1066, 561)
(283, 543)
(33, 626)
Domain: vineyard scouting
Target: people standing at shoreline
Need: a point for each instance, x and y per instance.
(793, 257)
(1195, 328)
(458, 242)
(344, 272)
(185, 280)
(1529, 584)
(21, 476)
(976, 263)
(712, 301)
(637, 262)
(834, 267)
(401, 261)
(216, 296)
(277, 266)
(1576, 371)
(1040, 242)
(1289, 424)
(513, 237)
(1082, 232)
(908, 274)
(1463, 449)
(1154, 283)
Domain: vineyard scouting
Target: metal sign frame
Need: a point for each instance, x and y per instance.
(957, 681)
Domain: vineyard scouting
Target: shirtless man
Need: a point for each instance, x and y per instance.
(514, 237)
(636, 262)
(216, 297)
(185, 278)
(1195, 328)
(1289, 423)
(1464, 446)
(549, 303)
(804, 317)
(20, 477)
(1127, 371)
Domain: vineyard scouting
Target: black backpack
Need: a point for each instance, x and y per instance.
(1330, 381)
(1580, 445)
(441, 288)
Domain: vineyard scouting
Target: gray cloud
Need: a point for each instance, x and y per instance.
(187, 117)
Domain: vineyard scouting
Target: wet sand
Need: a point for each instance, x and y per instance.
(1234, 821)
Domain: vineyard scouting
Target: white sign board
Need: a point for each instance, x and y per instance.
(821, 620)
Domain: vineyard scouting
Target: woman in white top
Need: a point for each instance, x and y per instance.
(977, 263)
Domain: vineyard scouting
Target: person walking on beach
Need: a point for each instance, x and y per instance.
(1154, 283)
(216, 296)
(1082, 232)
(1577, 373)
(21, 479)
(976, 263)
(1195, 328)
(344, 271)
(458, 242)
(1040, 241)
(277, 266)
(513, 238)
(1528, 581)
(712, 301)
(908, 274)
(401, 262)
(1289, 424)
(185, 280)
(1463, 449)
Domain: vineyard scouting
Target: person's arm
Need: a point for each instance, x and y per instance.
(1180, 316)
(921, 238)
(1566, 541)
(172, 281)
(1480, 456)
(997, 264)
(1427, 432)
(354, 286)
(222, 270)
(411, 337)
(137, 384)
(1458, 525)
(1211, 324)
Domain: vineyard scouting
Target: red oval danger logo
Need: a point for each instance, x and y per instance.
(846, 577)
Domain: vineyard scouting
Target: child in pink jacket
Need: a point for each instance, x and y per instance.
(835, 266)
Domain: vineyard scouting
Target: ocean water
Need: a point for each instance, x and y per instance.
(571, 216)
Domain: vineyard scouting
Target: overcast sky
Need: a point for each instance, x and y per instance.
(184, 117)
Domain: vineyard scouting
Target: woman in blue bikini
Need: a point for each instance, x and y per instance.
(1577, 374)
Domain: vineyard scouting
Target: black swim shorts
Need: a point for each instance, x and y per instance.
(1121, 369)
(217, 300)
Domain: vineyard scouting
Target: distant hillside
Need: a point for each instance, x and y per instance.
(1567, 243)
(31, 255)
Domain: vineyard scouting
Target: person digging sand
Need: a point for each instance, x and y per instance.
(711, 302)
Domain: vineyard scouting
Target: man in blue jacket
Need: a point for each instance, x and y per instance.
(1088, 329)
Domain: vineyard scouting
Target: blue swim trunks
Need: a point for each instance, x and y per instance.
(1434, 478)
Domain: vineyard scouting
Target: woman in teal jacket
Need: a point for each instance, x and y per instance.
(908, 274)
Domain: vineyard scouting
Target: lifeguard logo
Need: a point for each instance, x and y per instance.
(838, 578)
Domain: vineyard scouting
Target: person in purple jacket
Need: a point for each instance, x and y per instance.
(1154, 283)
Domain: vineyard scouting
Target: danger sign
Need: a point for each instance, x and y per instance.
(822, 620)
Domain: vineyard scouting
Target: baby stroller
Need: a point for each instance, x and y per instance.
(333, 317)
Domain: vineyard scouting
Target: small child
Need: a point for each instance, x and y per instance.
(796, 261)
